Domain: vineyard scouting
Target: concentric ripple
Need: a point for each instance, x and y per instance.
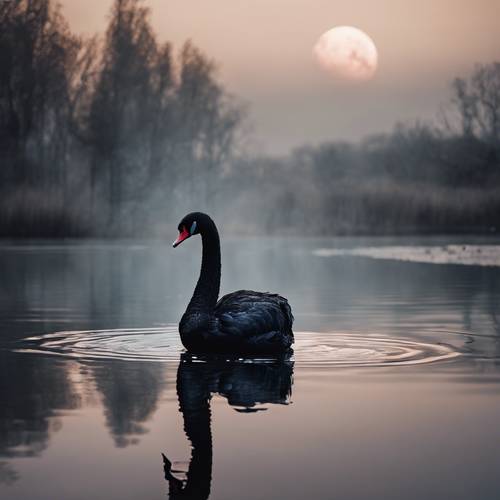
(162, 344)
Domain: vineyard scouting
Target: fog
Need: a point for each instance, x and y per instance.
(121, 135)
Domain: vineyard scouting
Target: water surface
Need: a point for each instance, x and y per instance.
(393, 389)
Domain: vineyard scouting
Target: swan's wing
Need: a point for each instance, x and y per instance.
(255, 317)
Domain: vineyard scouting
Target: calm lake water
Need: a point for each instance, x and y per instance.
(393, 390)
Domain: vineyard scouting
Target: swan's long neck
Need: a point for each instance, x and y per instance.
(207, 289)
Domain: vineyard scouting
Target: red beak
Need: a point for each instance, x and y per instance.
(183, 235)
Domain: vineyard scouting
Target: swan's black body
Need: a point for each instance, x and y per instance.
(240, 322)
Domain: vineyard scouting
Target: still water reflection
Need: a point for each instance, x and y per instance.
(244, 385)
(396, 374)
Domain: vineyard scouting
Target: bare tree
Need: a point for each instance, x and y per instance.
(37, 53)
(478, 103)
(121, 104)
(208, 120)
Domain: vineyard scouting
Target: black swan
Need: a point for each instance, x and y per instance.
(240, 322)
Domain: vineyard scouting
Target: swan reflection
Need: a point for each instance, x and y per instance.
(246, 386)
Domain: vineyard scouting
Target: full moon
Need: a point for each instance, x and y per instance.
(347, 52)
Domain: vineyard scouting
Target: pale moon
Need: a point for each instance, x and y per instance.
(347, 52)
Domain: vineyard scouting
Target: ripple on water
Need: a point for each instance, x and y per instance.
(312, 349)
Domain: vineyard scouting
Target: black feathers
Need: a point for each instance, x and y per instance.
(262, 320)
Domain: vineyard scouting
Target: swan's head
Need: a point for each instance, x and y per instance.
(189, 226)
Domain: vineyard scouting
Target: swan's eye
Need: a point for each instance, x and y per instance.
(193, 228)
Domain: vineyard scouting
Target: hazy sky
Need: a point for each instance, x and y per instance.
(264, 52)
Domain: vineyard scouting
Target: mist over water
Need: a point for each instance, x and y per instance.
(394, 362)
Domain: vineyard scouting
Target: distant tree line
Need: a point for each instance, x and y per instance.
(442, 177)
(121, 135)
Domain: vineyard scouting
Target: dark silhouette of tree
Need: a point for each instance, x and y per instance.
(37, 54)
(208, 121)
(122, 104)
(478, 103)
(107, 126)
(149, 128)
